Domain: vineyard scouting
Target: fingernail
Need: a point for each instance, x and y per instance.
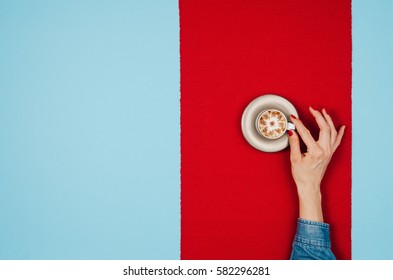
(324, 110)
(293, 117)
(289, 132)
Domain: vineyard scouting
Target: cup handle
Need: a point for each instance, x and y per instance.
(290, 126)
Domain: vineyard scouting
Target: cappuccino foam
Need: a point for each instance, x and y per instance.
(272, 124)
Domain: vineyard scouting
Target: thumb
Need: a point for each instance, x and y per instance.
(294, 145)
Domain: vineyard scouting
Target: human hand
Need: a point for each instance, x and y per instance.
(308, 168)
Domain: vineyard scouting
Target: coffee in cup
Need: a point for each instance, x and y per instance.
(272, 124)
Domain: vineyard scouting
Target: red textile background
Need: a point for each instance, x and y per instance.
(238, 202)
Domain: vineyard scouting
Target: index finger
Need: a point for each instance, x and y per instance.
(304, 133)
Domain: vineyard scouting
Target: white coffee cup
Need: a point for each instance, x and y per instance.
(272, 124)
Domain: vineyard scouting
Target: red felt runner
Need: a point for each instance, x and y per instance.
(238, 202)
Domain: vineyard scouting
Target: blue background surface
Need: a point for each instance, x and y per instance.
(89, 130)
(372, 162)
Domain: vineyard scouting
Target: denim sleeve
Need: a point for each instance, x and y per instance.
(312, 241)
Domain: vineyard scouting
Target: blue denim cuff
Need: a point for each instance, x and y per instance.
(313, 233)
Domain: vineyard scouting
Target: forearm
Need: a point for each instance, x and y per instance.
(310, 203)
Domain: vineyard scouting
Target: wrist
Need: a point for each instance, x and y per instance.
(309, 191)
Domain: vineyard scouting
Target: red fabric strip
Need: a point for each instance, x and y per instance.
(238, 202)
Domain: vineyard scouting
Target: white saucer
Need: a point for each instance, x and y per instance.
(268, 101)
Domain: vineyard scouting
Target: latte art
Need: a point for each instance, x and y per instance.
(272, 124)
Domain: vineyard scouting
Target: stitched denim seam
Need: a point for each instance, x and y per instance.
(314, 242)
(313, 223)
